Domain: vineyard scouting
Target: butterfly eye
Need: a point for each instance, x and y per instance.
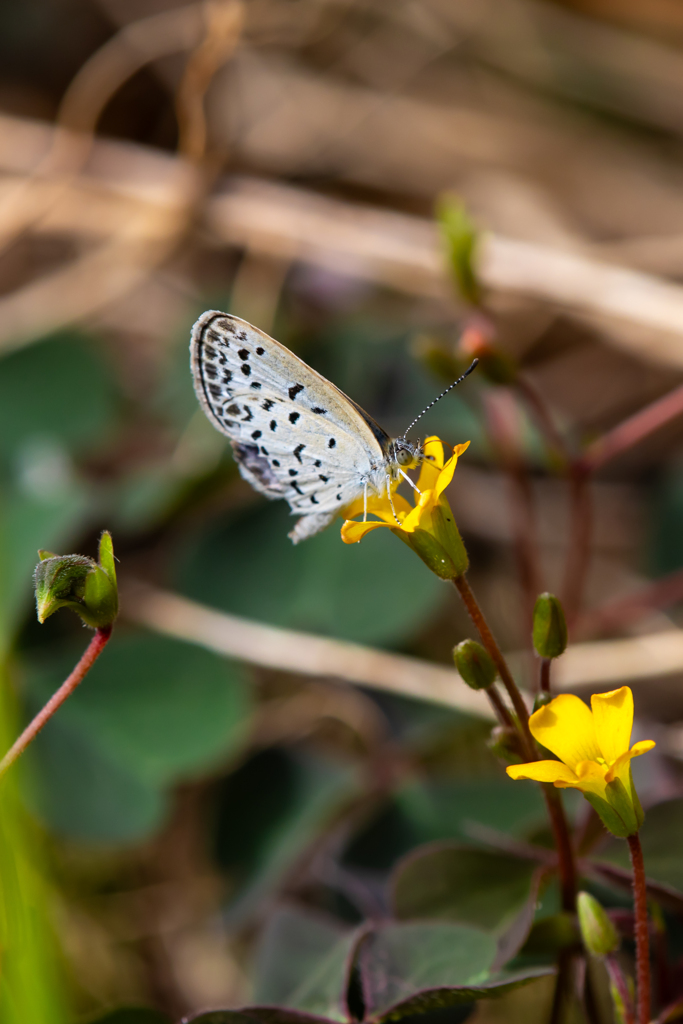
(404, 457)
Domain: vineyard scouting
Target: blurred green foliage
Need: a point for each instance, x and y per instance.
(150, 712)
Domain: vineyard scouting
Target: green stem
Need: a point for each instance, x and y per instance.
(641, 929)
(90, 656)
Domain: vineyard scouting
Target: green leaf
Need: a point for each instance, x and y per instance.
(161, 708)
(303, 963)
(467, 885)
(412, 969)
(375, 593)
(447, 810)
(83, 793)
(59, 388)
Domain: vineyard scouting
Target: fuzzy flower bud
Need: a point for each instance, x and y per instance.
(87, 587)
(599, 935)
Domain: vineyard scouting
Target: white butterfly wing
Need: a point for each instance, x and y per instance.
(294, 434)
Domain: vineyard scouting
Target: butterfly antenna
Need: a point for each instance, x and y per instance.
(450, 387)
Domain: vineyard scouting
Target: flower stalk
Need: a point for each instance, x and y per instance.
(88, 659)
(641, 930)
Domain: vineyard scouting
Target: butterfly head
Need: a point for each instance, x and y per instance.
(406, 454)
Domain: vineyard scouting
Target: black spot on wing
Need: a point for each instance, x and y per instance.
(273, 424)
(297, 452)
(256, 434)
(249, 415)
(246, 369)
(293, 417)
(293, 472)
(260, 351)
(243, 353)
(314, 500)
(210, 352)
(323, 478)
(268, 404)
(294, 390)
(317, 463)
(275, 462)
(234, 409)
(319, 411)
(297, 488)
(255, 385)
(331, 443)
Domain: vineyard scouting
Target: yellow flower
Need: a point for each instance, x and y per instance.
(428, 527)
(595, 754)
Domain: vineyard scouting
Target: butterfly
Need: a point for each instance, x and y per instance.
(294, 434)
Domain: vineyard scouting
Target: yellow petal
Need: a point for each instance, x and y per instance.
(379, 507)
(620, 767)
(432, 464)
(544, 771)
(613, 717)
(446, 474)
(417, 515)
(592, 777)
(353, 532)
(566, 727)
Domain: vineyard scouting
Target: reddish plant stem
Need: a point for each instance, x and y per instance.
(616, 976)
(544, 675)
(562, 986)
(565, 851)
(543, 418)
(525, 530)
(641, 929)
(494, 650)
(88, 659)
(502, 713)
(661, 593)
(634, 429)
(578, 552)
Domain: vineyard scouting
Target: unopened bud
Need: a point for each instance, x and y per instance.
(541, 699)
(550, 626)
(80, 584)
(460, 238)
(503, 743)
(599, 935)
(474, 664)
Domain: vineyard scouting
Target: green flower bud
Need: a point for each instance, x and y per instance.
(79, 583)
(541, 699)
(550, 627)
(503, 742)
(460, 239)
(474, 664)
(599, 935)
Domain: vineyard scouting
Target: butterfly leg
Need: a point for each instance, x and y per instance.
(406, 477)
(391, 500)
